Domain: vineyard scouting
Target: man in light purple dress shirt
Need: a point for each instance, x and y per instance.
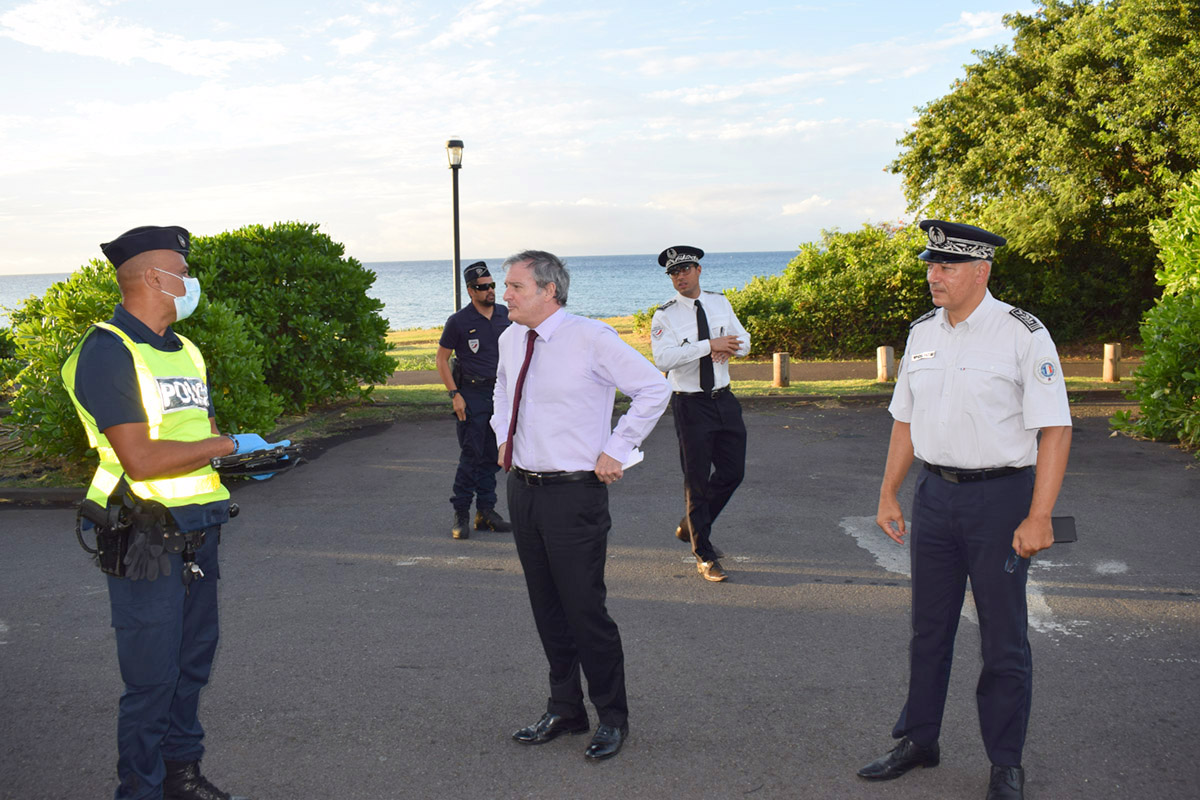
(564, 452)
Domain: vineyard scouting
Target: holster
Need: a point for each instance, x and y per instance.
(124, 516)
(456, 370)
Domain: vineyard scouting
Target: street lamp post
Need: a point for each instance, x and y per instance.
(454, 152)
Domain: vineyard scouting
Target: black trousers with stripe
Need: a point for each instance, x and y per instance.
(712, 452)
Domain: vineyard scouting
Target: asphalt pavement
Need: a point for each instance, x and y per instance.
(367, 655)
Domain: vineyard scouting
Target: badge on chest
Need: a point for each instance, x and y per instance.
(923, 356)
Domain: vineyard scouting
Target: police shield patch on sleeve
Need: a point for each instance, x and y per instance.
(657, 333)
(1047, 371)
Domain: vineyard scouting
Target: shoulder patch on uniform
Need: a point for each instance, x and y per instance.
(1027, 319)
(927, 315)
(667, 305)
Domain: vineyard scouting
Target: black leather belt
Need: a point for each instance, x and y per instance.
(968, 475)
(551, 478)
(477, 381)
(713, 394)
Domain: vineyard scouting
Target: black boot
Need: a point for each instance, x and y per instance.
(462, 524)
(487, 519)
(184, 782)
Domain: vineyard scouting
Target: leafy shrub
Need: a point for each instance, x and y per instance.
(8, 347)
(1167, 385)
(642, 320)
(305, 305)
(9, 365)
(46, 329)
(840, 297)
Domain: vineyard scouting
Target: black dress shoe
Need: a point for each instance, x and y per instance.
(606, 741)
(184, 782)
(490, 520)
(549, 727)
(900, 759)
(1007, 783)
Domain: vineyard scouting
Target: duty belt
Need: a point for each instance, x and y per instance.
(551, 478)
(968, 475)
(467, 379)
(714, 394)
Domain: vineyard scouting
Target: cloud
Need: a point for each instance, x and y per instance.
(805, 206)
(481, 22)
(353, 45)
(82, 28)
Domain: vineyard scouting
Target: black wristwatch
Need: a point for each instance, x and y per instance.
(452, 392)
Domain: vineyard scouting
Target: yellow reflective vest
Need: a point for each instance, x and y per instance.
(174, 393)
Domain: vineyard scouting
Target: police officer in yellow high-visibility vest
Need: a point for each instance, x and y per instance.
(141, 391)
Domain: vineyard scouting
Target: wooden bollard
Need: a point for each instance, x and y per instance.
(1112, 363)
(782, 374)
(885, 364)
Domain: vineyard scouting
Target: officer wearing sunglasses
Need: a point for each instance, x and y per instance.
(471, 335)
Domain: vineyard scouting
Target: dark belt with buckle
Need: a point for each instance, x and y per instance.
(551, 478)
(715, 393)
(469, 381)
(968, 475)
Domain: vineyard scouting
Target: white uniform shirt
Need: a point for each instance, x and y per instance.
(673, 339)
(977, 393)
(565, 419)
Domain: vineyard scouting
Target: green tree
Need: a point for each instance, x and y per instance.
(1167, 385)
(840, 297)
(305, 305)
(1069, 142)
(45, 330)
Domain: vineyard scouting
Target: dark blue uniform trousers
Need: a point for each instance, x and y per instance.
(561, 533)
(477, 467)
(712, 452)
(166, 638)
(958, 531)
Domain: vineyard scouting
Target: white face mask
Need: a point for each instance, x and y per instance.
(186, 303)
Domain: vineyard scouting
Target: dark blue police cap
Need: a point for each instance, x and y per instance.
(952, 242)
(679, 254)
(148, 237)
(475, 272)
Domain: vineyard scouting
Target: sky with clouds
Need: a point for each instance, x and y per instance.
(590, 128)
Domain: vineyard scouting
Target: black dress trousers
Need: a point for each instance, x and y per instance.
(561, 532)
(962, 530)
(712, 452)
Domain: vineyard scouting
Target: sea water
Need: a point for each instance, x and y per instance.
(420, 294)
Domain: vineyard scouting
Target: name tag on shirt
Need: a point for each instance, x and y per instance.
(923, 356)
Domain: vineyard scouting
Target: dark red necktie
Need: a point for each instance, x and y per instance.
(516, 406)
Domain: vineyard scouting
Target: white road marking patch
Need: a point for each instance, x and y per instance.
(3, 630)
(894, 558)
(411, 561)
(1111, 567)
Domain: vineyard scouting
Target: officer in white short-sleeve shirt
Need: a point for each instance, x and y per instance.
(693, 336)
(978, 381)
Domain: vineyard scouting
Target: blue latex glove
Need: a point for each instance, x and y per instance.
(281, 443)
(248, 442)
